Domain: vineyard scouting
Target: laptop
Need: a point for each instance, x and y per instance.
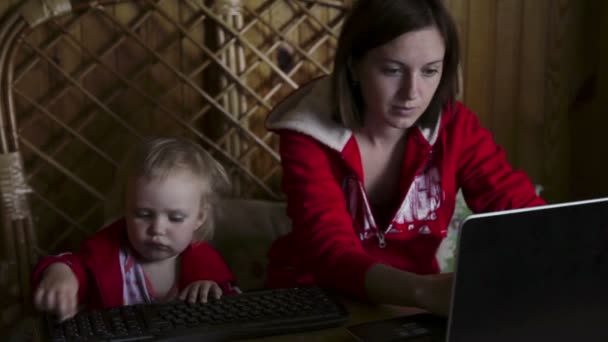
(534, 274)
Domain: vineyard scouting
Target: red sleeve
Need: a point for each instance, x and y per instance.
(75, 264)
(488, 182)
(322, 227)
(203, 262)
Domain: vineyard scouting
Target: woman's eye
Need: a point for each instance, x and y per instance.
(391, 71)
(430, 72)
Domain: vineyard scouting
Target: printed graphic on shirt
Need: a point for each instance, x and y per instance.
(134, 284)
(137, 287)
(423, 198)
(420, 205)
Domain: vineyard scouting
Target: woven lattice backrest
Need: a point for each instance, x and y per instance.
(84, 80)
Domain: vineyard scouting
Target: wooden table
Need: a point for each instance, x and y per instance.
(359, 313)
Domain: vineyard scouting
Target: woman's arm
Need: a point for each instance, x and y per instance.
(388, 285)
(323, 233)
(488, 181)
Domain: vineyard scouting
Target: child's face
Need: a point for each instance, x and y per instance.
(162, 215)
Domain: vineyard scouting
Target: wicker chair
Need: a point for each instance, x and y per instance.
(83, 80)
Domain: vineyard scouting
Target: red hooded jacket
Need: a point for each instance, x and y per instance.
(97, 267)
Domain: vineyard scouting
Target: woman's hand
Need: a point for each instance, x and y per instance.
(434, 293)
(199, 291)
(388, 285)
(58, 291)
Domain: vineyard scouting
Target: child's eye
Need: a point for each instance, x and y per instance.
(177, 218)
(142, 213)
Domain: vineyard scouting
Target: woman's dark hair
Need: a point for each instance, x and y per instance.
(373, 23)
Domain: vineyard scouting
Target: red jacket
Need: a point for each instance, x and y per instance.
(97, 267)
(334, 239)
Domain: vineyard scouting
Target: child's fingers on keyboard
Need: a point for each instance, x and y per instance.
(65, 316)
(186, 293)
(39, 298)
(68, 311)
(50, 300)
(66, 305)
(194, 292)
(215, 291)
(204, 292)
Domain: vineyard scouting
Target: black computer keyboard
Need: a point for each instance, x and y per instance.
(248, 315)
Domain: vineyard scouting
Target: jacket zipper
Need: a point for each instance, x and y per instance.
(381, 234)
(381, 239)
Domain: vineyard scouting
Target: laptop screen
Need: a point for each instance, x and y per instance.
(534, 274)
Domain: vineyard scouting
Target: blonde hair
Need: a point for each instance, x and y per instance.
(157, 158)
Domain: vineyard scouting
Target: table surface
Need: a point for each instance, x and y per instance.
(359, 313)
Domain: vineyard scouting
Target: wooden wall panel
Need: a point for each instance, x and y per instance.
(502, 117)
(460, 11)
(523, 64)
(599, 108)
(589, 117)
(479, 71)
(559, 83)
(529, 113)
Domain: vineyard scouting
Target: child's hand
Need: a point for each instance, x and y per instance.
(58, 291)
(199, 291)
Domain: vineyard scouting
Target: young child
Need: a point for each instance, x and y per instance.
(155, 252)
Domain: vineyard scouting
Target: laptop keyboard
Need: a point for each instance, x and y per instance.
(252, 314)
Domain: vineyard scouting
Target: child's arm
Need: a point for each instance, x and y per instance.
(200, 290)
(59, 285)
(57, 292)
(205, 273)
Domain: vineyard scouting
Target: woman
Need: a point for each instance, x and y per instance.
(374, 155)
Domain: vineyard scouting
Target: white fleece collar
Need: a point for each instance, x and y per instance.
(308, 111)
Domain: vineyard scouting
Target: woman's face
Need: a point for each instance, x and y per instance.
(398, 80)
